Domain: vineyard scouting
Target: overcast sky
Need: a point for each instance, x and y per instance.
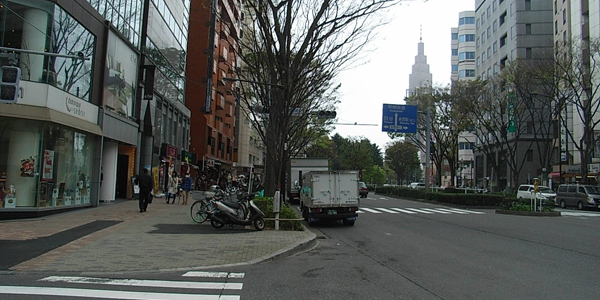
(384, 77)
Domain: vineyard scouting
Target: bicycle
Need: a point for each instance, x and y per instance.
(202, 208)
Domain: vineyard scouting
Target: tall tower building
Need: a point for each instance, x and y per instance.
(509, 29)
(420, 75)
(463, 68)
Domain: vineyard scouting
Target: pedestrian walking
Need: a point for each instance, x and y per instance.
(173, 186)
(144, 181)
(186, 187)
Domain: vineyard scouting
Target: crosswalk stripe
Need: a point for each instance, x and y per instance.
(578, 214)
(468, 211)
(453, 211)
(213, 274)
(146, 283)
(403, 210)
(386, 210)
(420, 211)
(369, 210)
(441, 211)
(108, 294)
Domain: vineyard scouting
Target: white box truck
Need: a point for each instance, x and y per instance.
(300, 166)
(330, 195)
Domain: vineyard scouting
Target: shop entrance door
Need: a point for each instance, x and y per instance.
(122, 177)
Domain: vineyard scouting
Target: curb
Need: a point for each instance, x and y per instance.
(529, 213)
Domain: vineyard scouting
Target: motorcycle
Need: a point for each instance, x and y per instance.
(243, 212)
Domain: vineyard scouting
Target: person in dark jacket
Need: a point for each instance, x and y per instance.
(144, 180)
(186, 187)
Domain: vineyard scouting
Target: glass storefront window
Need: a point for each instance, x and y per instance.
(41, 26)
(67, 167)
(43, 164)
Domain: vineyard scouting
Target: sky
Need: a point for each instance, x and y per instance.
(383, 76)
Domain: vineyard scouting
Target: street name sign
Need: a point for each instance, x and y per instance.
(399, 118)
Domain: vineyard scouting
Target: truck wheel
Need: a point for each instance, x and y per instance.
(348, 222)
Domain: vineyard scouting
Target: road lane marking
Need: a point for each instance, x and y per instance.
(403, 210)
(369, 210)
(467, 211)
(147, 283)
(419, 210)
(213, 274)
(453, 211)
(107, 294)
(386, 210)
(439, 211)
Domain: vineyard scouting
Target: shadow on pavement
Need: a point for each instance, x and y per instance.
(16, 252)
(197, 229)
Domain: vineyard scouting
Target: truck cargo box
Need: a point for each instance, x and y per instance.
(329, 195)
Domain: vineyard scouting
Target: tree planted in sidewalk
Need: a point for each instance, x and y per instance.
(291, 53)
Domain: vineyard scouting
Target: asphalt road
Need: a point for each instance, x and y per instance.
(438, 252)
(398, 249)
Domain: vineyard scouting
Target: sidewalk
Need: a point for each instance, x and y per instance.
(125, 240)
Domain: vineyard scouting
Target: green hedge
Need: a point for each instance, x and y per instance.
(266, 206)
(451, 196)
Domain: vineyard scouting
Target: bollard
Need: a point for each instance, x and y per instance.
(276, 203)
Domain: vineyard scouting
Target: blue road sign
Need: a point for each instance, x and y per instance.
(399, 118)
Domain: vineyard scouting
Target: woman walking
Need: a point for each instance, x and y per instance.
(173, 186)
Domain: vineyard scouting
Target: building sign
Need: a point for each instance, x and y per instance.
(511, 112)
(573, 169)
(188, 157)
(74, 106)
(171, 151)
(149, 82)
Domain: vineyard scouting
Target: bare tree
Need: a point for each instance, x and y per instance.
(291, 53)
(578, 72)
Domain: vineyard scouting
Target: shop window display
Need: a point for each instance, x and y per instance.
(43, 164)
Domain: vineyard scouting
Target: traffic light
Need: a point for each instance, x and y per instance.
(9, 84)
(326, 114)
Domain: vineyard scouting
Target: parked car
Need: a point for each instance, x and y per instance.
(415, 185)
(362, 190)
(578, 195)
(546, 194)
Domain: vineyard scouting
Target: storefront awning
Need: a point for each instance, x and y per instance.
(46, 114)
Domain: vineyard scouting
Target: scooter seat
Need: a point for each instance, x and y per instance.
(232, 204)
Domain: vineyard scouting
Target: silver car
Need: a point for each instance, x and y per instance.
(578, 195)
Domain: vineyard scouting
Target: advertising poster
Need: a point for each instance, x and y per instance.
(27, 165)
(155, 177)
(48, 165)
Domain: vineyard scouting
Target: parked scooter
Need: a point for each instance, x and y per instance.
(243, 212)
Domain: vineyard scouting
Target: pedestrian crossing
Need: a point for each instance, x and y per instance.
(413, 211)
(217, 287)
